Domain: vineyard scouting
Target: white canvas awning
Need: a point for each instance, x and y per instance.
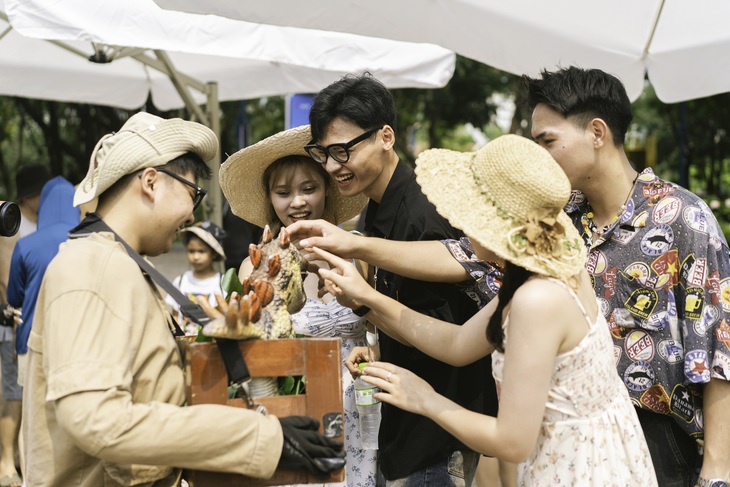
(183, 59)
(683, 45)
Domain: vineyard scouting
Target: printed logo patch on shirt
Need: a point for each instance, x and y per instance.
(639, 346)
(667, 265)
(617, 352)
(667, 210)
(618, 332)
(638, 270)
(725, 294)
(721, 366)
(639, 376)
(623, 235)
(657, 240)
(656, 399)
(609, 283)
(722, 333)
(655, 322)
(596, 264)
(641, 303)
(670, 351)
(694, 302)
(681, 403)
(694, 271)
(696, 368)
(695, 218)
(713, 285)
(657, 190)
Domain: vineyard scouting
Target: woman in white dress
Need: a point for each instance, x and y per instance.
(564, 413)
(276, 183)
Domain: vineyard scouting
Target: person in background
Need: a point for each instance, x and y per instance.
(203, 249)
(29, 181)
(659, 265)
(274, 182)
(31, 256)
(564, 414)
(104, 396)
(353, 123)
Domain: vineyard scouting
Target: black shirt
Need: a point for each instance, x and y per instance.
(410, 442)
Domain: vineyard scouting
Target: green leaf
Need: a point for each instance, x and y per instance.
(286, 386)
(230, 283)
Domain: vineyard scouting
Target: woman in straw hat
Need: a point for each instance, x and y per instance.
(276, 183)
(564, 413)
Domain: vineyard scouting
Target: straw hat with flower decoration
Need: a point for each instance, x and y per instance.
(509, 197)
(242, 179)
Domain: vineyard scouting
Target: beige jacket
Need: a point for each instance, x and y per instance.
(103, 400)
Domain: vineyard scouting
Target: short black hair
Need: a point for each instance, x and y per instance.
(359, 99)
(188, 162)
(582, 94)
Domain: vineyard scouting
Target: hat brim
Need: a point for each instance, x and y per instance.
(242, 179)
(447, 180)
(206, 237)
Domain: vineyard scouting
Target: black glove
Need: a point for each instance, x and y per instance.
(304, 447)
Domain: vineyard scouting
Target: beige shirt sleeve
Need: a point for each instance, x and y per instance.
(107, 425)
(114, 376)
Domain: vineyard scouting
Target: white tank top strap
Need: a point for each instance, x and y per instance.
(575, 297)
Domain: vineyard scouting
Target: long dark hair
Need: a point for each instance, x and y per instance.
(514, 277)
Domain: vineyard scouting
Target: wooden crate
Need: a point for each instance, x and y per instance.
(318, 359)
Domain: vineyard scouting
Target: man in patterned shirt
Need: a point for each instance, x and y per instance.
(661, 273)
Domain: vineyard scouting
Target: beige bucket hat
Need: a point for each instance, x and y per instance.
(242, 179)
(145, 140)
(509, 197)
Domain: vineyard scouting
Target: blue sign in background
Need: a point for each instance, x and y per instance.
(297, 110)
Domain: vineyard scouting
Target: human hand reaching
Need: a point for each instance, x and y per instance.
(319, 233)
(399, 387)
(343, 280)
(360, 354)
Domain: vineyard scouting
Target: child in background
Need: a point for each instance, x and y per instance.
(203, 244)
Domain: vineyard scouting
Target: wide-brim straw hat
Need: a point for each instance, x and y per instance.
(205, 231)
(145, 140)
(509, 197)
(242, 179)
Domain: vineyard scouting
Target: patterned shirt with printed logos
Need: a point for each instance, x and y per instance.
(661, 273)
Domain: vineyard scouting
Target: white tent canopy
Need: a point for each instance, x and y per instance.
(683, 45)
(246, 60)
(183, 59)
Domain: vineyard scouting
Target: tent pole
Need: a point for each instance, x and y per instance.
(216, 198)
(181, 88)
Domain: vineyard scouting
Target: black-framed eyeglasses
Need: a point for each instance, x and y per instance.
(199, 192)
(338, 152)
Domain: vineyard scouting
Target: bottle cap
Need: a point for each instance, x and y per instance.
(362, 365)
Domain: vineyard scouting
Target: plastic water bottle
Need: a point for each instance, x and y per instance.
(369, 409)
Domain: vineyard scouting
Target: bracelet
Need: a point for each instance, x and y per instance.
(362, 310)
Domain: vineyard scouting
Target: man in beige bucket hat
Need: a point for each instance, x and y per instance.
(105, 387)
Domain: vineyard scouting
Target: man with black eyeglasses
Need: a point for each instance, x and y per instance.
(104, 398)
(353, 136)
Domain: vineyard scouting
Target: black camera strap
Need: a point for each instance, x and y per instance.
(238, 374)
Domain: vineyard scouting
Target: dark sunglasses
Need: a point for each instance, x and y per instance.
(338, 152)
(199, 192)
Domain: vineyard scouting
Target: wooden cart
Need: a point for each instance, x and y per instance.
(318, 359)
